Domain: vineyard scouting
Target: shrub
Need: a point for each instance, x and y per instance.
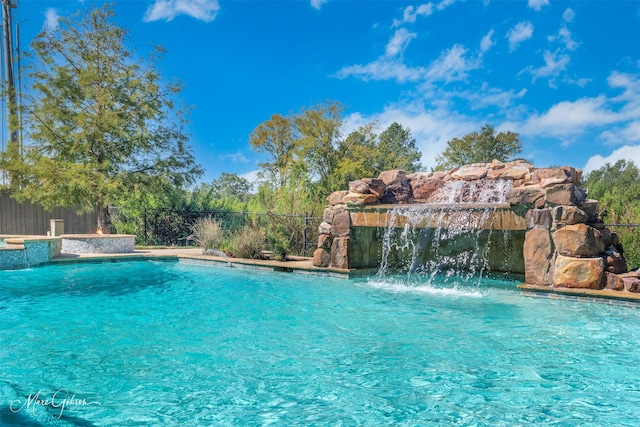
(207, 233)
(248, 242)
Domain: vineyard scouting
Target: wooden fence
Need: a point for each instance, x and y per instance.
(31, 219)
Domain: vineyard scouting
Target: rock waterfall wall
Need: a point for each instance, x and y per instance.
(565, 242)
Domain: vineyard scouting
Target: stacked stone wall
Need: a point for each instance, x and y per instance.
(566, 243)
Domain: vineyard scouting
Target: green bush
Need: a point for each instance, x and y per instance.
(207, 233)
(247, 242)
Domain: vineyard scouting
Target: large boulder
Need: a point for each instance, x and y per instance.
(321, 257)
(324, 228)
(470, 172)
(398, 191)
(359, 186)
(376, 186)
(392, 175)
(341, 225)
(538, 255)
(515, 172)
(424, 188)
(573, 272)
(538, 218)
(568, 215)
(547, 177)
(340, 252)
(336, 197)
(526, 197)
(591, 209)
(613, 282)
(324, 241)
(564, 194)
(327, 215)
(359, 199)
(578, 240)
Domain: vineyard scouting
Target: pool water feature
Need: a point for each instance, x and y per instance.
(176, 343)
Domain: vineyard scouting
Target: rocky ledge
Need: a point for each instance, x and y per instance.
(566, 244)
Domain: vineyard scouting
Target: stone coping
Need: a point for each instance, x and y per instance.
(12, 247)
(96, 236)
(19, 240)
(300, 265)
(581, 294)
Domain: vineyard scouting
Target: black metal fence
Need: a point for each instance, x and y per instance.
(172, 227)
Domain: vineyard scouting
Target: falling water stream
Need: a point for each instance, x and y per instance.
(450, 235)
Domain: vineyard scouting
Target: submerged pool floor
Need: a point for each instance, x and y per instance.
(173, 343)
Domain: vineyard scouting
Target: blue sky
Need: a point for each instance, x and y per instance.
(565, 75)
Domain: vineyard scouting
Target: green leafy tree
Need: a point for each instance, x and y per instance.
(479, 147)
(617, 189)
(101, 123)
(231, 186)
(276, 138)
(365, 154)
(397, 150)
(319, 130)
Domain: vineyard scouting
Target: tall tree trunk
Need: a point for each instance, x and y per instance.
(103, 217)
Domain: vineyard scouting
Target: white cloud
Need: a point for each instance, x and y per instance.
(564, 37)
(51, 18)
(317, 4)
(451, 65)
(521, 32)
(411, 13)
(236, 157)
(537, 4)
(382, 69)
(487, 42)
(628, 152)
(399, 42)
(554, 64)
(445, 3)
(253, 177)
(568, 118)
(568, 15)
(203, 10)
(486, 96)
(431, 128)
(617, 136)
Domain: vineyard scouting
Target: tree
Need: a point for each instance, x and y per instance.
(276, 137)
(617, 190)
(365, 154)
(230, 185)
(397, 150)
(320, 129)
(479, 147)
(100, 120)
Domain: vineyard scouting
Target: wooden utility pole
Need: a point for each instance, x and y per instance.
(9, 86)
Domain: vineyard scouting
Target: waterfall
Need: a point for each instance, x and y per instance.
(452, 236)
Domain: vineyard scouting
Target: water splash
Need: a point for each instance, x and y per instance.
(452, 235)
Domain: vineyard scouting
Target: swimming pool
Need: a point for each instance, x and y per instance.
(168, 343)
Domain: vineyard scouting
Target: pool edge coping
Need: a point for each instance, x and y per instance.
(295, 266)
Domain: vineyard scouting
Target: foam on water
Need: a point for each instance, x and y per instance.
(397, 286)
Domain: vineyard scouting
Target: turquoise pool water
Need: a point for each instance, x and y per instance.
(159, 343)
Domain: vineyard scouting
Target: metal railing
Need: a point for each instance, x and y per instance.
(172, 227)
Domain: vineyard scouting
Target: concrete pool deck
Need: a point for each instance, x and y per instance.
(301, 265)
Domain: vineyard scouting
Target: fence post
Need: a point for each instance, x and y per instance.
(144, 217)
(304, 235)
